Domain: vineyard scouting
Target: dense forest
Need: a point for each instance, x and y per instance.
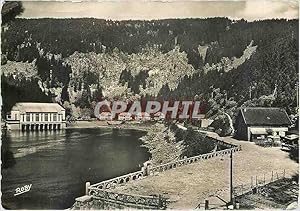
(76, 62)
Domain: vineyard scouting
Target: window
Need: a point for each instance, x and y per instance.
(37, 117)
(27, 117)
(54, 117)
(46, 117)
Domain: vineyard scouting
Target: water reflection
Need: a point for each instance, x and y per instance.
(58, 164)
(7, 156)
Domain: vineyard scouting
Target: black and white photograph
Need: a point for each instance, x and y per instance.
(150, 104)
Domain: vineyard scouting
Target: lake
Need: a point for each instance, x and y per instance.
(58, 163)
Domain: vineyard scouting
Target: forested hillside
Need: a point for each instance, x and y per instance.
(76, 62)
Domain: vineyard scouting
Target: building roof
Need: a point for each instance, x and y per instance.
(258, 131)
(37, 107)
(124, 114)
(265, 116)
(157, 114)
(106, 113)
(143, 114)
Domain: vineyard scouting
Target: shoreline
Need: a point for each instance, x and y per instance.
(132, 125)
(142, 126)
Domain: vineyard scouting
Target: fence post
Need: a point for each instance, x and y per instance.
(283, 173)
(206, 205)
(264, 179)
(251, 182)
(160, 204)
(256, 181)
(242, 189)
(277, 174)
(272, 177)
(87, 185)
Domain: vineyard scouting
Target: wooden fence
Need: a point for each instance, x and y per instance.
(257, 182)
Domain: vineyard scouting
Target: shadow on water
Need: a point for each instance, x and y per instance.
(7, 156)
(58, 164)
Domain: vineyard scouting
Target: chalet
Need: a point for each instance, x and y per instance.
(291, 140)
(105, 116)
(257, 123)
(159, 116)
(124, 116)
(144, 116)
(36, 116)
(205, 123)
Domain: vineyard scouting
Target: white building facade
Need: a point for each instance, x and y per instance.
(124, 116)
(36, 116)
(106, 116)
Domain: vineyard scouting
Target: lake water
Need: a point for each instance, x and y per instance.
(58, 164)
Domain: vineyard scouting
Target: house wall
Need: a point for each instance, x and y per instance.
(13, 126)
(63, 125)
(206, 122)
(63, 115)
(143, 118)
(15, 115)
(18, 120)
(127, 118)
(276, 130)
(105, 118)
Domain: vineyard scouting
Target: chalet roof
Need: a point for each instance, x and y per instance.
(159, 114)
(106, 113)
(143, 114)
(259, 116)
(124, 114)
(37, 107)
